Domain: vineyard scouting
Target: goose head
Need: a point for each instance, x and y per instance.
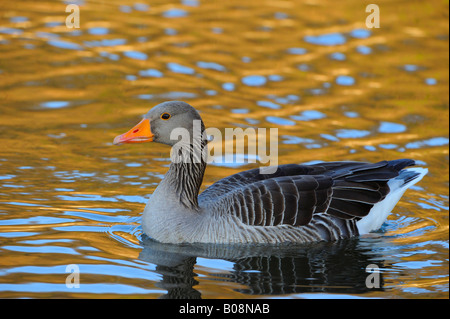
(159, 123)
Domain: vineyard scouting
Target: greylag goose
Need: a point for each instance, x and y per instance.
(296, 204)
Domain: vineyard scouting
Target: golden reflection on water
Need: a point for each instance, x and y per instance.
(69, 197)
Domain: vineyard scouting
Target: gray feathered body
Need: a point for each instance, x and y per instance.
(298, 203)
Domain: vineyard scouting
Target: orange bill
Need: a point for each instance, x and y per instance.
(141, 133)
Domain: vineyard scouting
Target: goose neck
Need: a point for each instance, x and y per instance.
(185, 180)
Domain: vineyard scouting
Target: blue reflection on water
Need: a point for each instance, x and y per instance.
(77, 2)
(18, 19)
(98, 31)
(309, 115)
(42, 249)
(141, 7)
(104, 43)
(254, 80)
(239, 111)
(363, 49)
(86, 197)
(228, 86)
(326, 39)
(251, 121)
(388, 127)
(14, 234)
(388, 146)
(360, 33)
(345, 80)
(290, 98)
(55, 104)
(35, 220)
(191, 3)
(351, 133)
(217, 30)
(125, 9)
(175, 13)
(65, 45)
(169, 95)
(151, 73)
(370, 148)
(178, 68)
(275, 78)
(111, 56)
(351, 114)
(53, 24)
(279, 120)
(45, 35)
(133, 164)
(127, 271)
(435, 141)
(39, 287)
(135, 55)
(7, 176)
(6, 30)
(329, 137)
(281, 15)
(304, 67)
(268, 104)
(338, 56)
(211, 66)
(170, 31)
(410, 67)
(234, 160)
(289, 139)
(297, 51)
(430, 81)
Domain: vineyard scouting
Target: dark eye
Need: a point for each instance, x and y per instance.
(165, 116)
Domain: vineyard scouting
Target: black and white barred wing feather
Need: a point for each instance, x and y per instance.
(296, 194)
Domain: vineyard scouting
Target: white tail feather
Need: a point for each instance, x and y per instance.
(381, 210)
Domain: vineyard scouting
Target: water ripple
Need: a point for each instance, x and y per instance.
(254, 80)
(329, 39)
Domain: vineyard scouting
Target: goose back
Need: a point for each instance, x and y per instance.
(333, 194)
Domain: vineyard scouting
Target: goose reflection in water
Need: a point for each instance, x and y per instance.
(270, 270)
